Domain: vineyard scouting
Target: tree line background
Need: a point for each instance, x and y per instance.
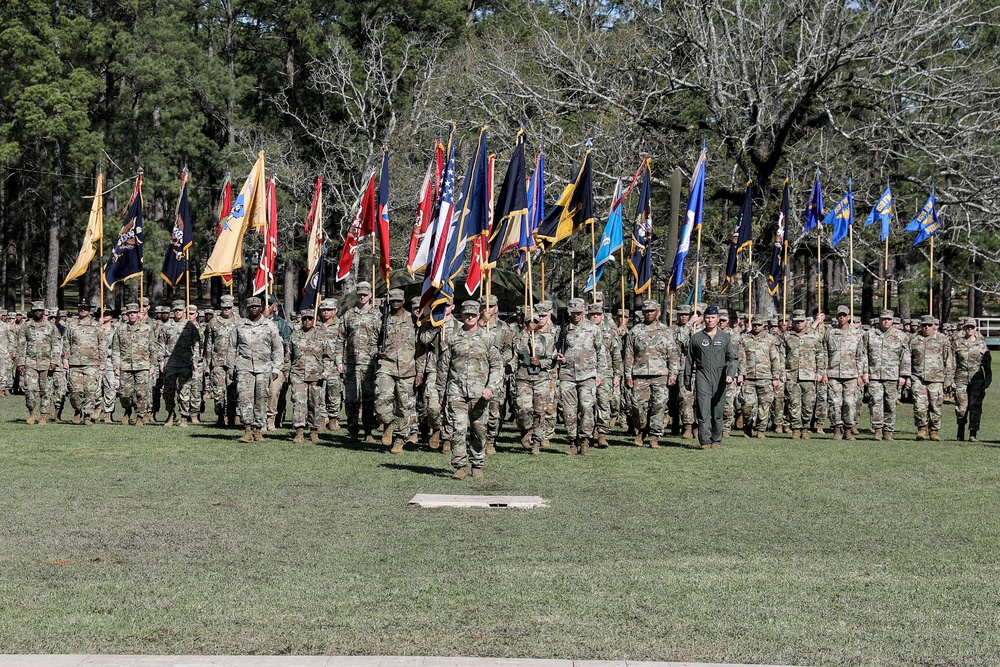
(897, 91)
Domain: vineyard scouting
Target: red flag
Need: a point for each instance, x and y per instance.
(362, 226)
(268, 256)
(383, 217)
(427, 198)
(225, 206)
(481, 243)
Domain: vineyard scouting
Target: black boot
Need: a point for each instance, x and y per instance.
(961, 429)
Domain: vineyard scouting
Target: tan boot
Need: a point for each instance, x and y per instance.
(972, 436)
(247, 435)
(887, 435)
(88, 422)
(194, 419)
(170, 419)
(535, 449)
(387, 434)
(313, 435)
(654, 442)
(855, 430)
(638, 440)
(183, 422)
(270, 424)
(139, 421)
(258, 435)
(459, 474)
(107, 418)
(572, 450)
(878, 434)
(435, 440)
(602, 440)
(849, 434)
(446, 447)
(922, 433)
(585, 447)
(760, 435)
(300, 435)
(491, 448)
(796, 434)
(819, 429)
(76, 418)
(31, 417)
(526, 439)
(805, 434)
(935, 437)
(725, 434)
(838, 432)
(397, 446)
(687, 435)
(44, 419)
(333, 425)
(477, 472)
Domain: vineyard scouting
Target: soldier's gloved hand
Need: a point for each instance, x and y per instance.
(340, 368)
(52, 367)
(729, 380)
(418, 381)
(488, 394)
(535, 361)
(900, 383)
(66, 366)
(117, 372)
(629, 383)
(597, 382)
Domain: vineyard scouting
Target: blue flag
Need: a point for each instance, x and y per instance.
(742, 237)
(777, 270)
(692, 221)
(882, 211)
(126, 257)
(841, 217)
(927, 223)
(174, 263)
(814, 209)
(611, 239)
(536, 211)
(641, 261)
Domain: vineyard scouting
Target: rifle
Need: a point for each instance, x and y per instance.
(563, 318)
(383, 333)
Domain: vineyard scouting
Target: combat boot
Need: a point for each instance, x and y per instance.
(887, 435)
(300, 435)
(368, 438)
(435, 440)
(739, 421)
(491, 448)
(611, 424)
(44, 419)
(819, 429)
(446, 447)
(107, 418)
(760, 435)
(545, 443)
(397, 446)
(183, 423)
(572, 450)
(270, 424)
(88, 422)
(247, 435)
(31, 417)
(535, 449)
(921, 433)
(638, 440)
(258, 435)
(804, 433)
(387, 434)
(838, 432)
(935, 437)
(796, 434)
(849, 434)
(855, 430)
(961, 429)
(313, 435)
(194, 419)
(602, 440)
(459, 474)
(585, 447)
(687, 435)
(169, 422)
(654, 442)
(413, 439)
(477, 472)
(76, 418)
(333, 425)
(972, 437)
(526, 439)
(878, 433)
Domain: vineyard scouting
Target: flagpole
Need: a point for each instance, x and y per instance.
(543, 278)
(819, 266)
(885, 278)
(572, 274)
(749, 285)
(593, 262)
(621, 273)
(697, 269)
(100, 173)
(531, 305)
(784, 285)
(930, 292)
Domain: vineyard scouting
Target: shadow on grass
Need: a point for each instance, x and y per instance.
(420, 470)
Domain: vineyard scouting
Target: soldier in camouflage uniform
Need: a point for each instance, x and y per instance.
(780, 413)
(311, 353)
(503, 336)
(58, 376)
(256, 357)
(973, 376)
(611, 380)
(39, 349)
(543, 310)
(7, 349)
(334, 399)
(846, 365)
(467, 371)
(359, 334)
(822, 410)
(161, 314)
(681, 396)
(135, 351)
(734, 403)
(395, 403)
(932, 362)
(805, 364)
(198, 373)
(887, 352)
(180, 342)
(582, 362)
(652, 357)
(535, 352)
(84, 356)
(217, 338)
(761, 368)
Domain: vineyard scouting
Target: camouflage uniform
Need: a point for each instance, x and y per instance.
(60, 386)
(155, 392)
(933, 367)
(551, 410)
(334, 399)
(360, 342)
(84, 352)
(973, 376)
(181, 345)
(607, 406)
(109, 381)
(135, 351)
(683, 396)
(584, 361)
(761, 366)
(888, 357)
(39, 349)
(503, 336)
(395, 402)
(652, 360)
(533, 385)
(311, 354)
(846, 362)
(469, 363)
(426, 353)
(805, 359)
(256, 351)
(217, 338)
(8, 345)
(734, 397)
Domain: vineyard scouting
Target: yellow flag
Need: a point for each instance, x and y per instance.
(249, 210)
(95, 230)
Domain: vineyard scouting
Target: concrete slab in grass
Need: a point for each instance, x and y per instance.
(491, 502)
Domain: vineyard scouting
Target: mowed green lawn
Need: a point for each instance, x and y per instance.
(121, 540)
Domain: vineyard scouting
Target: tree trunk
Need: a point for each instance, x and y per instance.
(55, 224)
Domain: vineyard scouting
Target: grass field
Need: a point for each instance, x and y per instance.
(118, 540)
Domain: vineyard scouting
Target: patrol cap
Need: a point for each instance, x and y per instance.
(60, 313)
(307, 314)
(492, 300)
(414, 304)
(757, 320)
(928, 319)
(598, 296)
(886, 315)
(701, 307)
(772, 322)
(843, 310)
(798, 315)
(192, 309)
(470, 307)
(161, 309)
(51, 312)
(897, 320)
(144, 302)
(723, 315)
(684, 310)
(177, 305)
(364, 287)
(84, 305)
(576, 306)
(131, 308)
(227, 301)
(967, 322)
(208, 311)
(396, 295)
(37, 305)
(650, 305)
(544, 308)
(595, 309)
(948, 326)
(254, 301)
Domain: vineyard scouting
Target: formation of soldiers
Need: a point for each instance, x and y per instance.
(453, 386)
